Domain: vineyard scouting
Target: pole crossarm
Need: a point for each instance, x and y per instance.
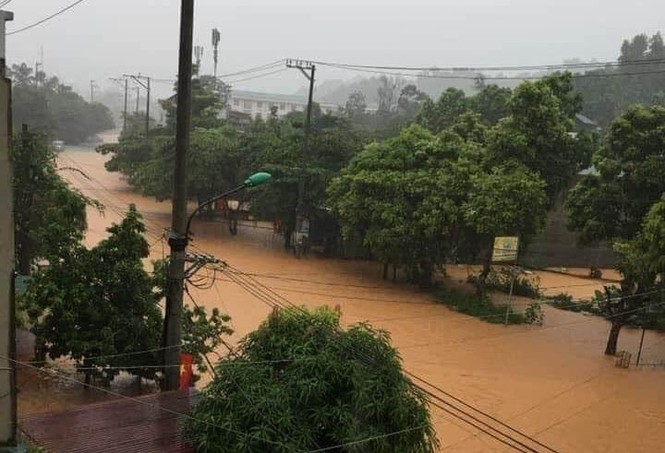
(138, 78)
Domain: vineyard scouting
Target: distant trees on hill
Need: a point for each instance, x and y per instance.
(49, 106)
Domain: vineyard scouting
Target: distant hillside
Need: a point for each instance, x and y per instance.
(433, 83)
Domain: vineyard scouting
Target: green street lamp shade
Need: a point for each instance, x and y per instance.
(257, 179)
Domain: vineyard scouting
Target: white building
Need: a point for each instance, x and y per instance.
(259, 104)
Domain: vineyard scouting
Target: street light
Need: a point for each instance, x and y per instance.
(175, 286)
(255, 180)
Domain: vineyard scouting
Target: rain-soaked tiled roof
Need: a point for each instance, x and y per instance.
(146, 424)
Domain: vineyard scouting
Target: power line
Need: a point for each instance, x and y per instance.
(475, 77)
(257, 76)
(262, 67)
(367, 439)
(267, 298)
(46, 19)
(263, 295)
(144, 403)
(561, 66)
(486, 431)
(494, 419)
(540, 330)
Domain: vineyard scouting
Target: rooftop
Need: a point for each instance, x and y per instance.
(145, 424)
(261, 96)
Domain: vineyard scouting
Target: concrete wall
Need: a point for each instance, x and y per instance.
(556, 246)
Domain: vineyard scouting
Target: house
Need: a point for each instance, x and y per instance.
(584, 123)
(258, 104)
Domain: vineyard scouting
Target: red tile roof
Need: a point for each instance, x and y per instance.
(122, 426)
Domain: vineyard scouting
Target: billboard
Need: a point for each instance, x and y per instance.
(505, 249)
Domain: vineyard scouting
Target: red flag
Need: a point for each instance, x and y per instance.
(186, 370)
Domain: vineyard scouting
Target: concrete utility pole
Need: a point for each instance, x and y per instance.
(216, 38)
(93, 85)
(7, 325)
(303, 66)
(198, 54)
(124, 115)
(125, 83)
(143, 81)
(177, 239)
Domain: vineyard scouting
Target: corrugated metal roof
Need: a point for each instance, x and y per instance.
(121, 426)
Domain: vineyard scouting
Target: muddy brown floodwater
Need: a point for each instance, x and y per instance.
(552, 382)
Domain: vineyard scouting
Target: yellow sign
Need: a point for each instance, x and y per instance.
(505, 249)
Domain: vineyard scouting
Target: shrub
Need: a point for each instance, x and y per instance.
(564, 301)
(501, 281)
(472, 305)
(534, 314)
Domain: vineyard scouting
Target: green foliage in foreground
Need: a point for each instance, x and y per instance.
(300, 383)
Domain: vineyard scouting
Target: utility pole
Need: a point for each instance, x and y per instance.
(216, 38)
(147, 109)
(198, 54)
(39, 66)
(302, 225)
(125, 83)
(177, 237)
(124, 115)
(93, 85)
(37, 72)
(138, 95)
(7, 335)
(142, 81)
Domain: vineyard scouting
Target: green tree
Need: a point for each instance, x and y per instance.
(355, 105)
(49, 216)
(93, 304)
(48, 106)
(641, 263)
(630, 176)
(409, 103)
(506, 201)
(538, 132)
(208, 100)
(278, 146)
(609, 91)
(613, 203)
(440, 115)
(388, 92)
(297, 383)
(491, 103)
(400, 199)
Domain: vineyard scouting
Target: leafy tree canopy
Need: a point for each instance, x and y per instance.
(608, 92)
(49, 215)
(46, 105)
(629, 179)
(94, 303)
(300, 382)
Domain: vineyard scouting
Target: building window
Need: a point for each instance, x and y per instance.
(259, 104)
(259, 116)
(282, 106)
(247, 105)
(236, 102)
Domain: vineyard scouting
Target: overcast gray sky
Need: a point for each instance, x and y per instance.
(99, 39)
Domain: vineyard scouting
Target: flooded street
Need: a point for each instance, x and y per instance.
(551, 382)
